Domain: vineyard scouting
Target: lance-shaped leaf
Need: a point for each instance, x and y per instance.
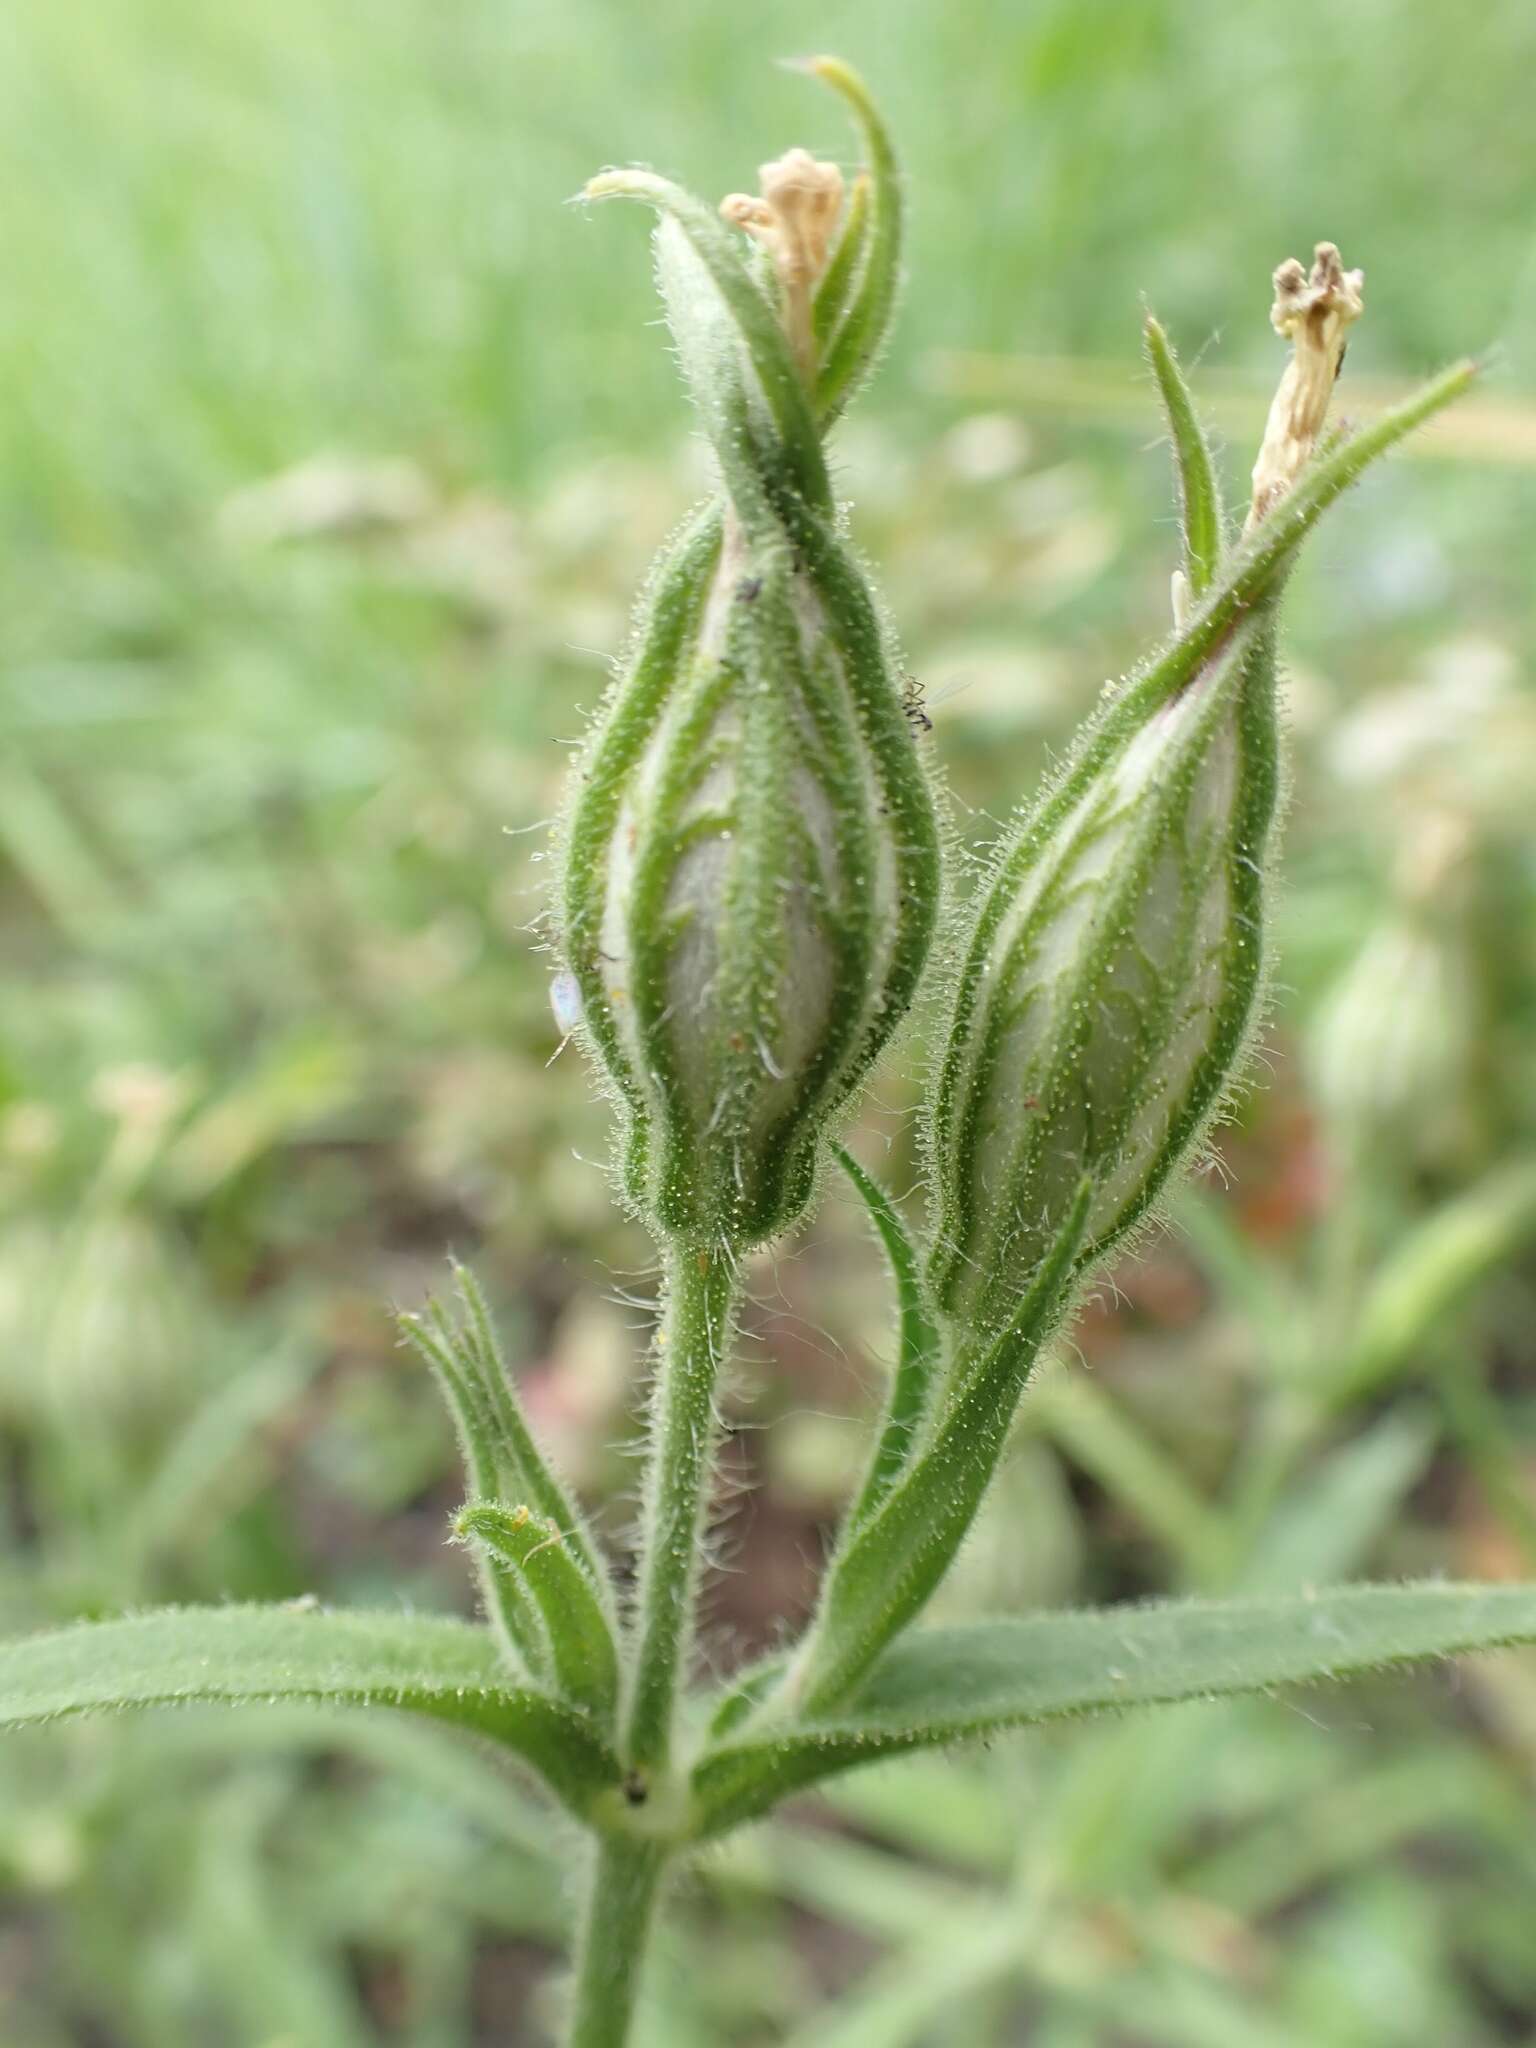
(583, 1652)
(536, 1482)
(179, 1656)
(918, 1342)
(502, 1460)
(893, 1560)
(944, 1685)
(508, 1601)
(1200, 513)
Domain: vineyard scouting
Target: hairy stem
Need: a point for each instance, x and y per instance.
(691, 1344)
(616, 1919)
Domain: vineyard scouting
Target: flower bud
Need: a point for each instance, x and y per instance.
(1109, 985)
(750, 860)
(1109, 980)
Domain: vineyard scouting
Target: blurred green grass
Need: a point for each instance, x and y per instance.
(333, 444)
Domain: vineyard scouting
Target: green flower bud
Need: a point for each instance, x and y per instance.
(1109, 981)
(750, 857)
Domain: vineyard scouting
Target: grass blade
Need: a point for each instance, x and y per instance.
(1434, 1269)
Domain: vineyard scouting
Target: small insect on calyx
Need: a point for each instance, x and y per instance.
(915, 706)
(749, 860)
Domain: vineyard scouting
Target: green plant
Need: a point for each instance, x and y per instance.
(750, 893)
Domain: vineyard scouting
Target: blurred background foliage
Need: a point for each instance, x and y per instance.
(332, 448)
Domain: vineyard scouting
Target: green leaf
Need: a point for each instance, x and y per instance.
(896, 1558)
(489, 1469)
(447, 1670)
(502, 1460)
(918, 1338)
(536, 1482)
(1200, 513)
(582, 1645)
(944, 1685)
(747, 1691)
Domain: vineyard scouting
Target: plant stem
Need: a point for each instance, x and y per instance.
(692, 1342)
(620, 1899)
